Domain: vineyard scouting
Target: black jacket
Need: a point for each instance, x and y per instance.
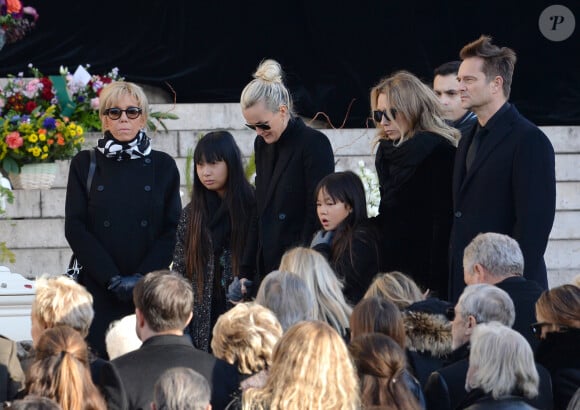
(524, 293)
(139, 370)
(357, 272)
(477, 400)
(560, 354)
(415, 209)
(509, 189)
(127, 226)
(445, 389)
(285, 194)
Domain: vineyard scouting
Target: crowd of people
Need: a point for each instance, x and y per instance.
(286, 294)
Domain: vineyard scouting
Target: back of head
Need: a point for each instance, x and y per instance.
(33, 402)
(267, 87)
(377, 315)
(381, 363)
(60, 300)
(112, 93)
(287, 295)
(448, 68)
(346, 187)
(181, 388)
(560, 305)
(487, 303)
(329, 302)
(165, 299)
(396, 287)
(311, 369)
(416, 102)
(497, 61)
(501, 362)
(121, 337)
(61, 371)
(499, 254)
(245, 336)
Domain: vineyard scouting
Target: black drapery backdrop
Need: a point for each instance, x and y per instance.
(333, 52)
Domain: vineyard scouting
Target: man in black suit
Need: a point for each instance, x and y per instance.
(163, 307)
(446, 88)
(504, 177)
(496, 259)
(480, 303)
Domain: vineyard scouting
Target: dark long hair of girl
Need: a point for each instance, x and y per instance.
(345, 187)
(217, 146)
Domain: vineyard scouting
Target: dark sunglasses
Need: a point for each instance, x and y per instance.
(450, 314)
(131, 112)
(537, 328)
(261, 126)
(378, 115)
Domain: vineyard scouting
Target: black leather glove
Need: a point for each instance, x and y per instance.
(122, 286)
(235, 290)
(322, 237)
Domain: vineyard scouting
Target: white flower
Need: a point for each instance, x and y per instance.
(371, 185)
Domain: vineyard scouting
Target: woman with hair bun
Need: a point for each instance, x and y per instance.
(291, 158)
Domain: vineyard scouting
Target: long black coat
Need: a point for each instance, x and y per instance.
(415, 215)
(126, 227)
(509, 189)
(286, 205)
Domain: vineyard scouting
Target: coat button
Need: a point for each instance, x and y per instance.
(458, 214)
(101, 188)
(144, 223)
(148, 160)
(106, 224)
(147, 188)
(282, 217)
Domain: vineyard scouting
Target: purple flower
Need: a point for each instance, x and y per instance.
(15, 119)
(49, 123)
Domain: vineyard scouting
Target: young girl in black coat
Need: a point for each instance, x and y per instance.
(347, 240)
(213, 231)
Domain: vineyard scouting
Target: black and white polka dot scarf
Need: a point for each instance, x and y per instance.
(138, 147)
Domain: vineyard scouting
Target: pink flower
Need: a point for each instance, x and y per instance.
(14, 140)
(95, 103)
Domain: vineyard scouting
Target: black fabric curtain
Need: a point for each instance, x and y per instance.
(333, 52)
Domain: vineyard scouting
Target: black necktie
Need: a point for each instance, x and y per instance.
(474, 147)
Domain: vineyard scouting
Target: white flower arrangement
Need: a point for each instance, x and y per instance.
(370, 182)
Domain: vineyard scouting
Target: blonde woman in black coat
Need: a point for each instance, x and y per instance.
(414, 162)
(291, 158)
(124, 227)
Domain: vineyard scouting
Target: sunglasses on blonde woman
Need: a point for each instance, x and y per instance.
(378, 115)
(131, 112)
(261, 126)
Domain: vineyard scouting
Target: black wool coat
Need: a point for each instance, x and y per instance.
(286, 206)
(126, 226)
(509, 189)
(128, 382)
(415, 215)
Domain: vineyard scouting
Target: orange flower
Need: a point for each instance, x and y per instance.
(60, 140)
(13, 6)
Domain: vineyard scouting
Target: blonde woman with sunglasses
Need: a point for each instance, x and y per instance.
(291, 158)
(122, 208)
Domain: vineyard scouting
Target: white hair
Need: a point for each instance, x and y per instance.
(181, 388)
(498, 253)
(501, 362)
(122, 337)
(487, 303)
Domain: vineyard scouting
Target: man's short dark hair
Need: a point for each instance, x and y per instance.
(450, 67)
(497, 61)
(165, 299)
